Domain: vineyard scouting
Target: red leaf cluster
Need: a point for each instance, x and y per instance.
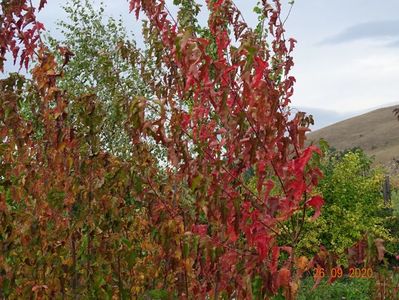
(19, 31)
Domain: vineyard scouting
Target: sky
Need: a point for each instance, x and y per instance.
(346, 59)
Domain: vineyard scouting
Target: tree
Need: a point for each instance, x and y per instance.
(99, 65)
(208, 221)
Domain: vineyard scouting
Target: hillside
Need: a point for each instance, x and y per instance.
(376, 132)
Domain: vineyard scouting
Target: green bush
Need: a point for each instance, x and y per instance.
(351, 189)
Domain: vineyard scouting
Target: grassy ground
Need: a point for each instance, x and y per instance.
(345, 288)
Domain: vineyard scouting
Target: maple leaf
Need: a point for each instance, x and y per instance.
(316, 202)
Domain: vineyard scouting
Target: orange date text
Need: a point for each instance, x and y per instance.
(338, 272)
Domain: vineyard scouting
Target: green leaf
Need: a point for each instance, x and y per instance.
(158, 294)
(257, 10)
(196, 182)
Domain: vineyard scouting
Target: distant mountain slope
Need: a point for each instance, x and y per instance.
(376, 132)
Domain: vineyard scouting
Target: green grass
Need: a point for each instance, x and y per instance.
(345, 288)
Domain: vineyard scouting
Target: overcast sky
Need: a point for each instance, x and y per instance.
(347, 56)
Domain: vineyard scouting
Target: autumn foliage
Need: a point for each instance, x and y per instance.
(218, 216)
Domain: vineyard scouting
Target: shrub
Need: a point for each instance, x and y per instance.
(353, 203)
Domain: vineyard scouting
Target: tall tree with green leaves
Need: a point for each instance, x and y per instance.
(101, 57)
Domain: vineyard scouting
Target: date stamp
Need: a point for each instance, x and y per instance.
(338, 272)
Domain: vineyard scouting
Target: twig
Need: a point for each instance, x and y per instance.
(289, 13)
(170, 14)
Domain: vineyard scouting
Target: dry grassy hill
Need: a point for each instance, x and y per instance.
(376, 132)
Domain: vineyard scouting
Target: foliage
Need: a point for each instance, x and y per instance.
(19, 31)
(395, 201)
(70, 224)
(79, 221)
(344, 288)
(97, 64)
(391, 223)
(353, 202)
(387, 285)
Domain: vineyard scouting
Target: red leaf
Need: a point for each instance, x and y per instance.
(259, 71)
(300, 163)
(135, 4)
(39, 26)
(42, 4)
(231, 232)
(262, 241)
(218, 3)
(190, 81)
(302, 135)
(200, 229)
(261, 166)
(274, 262)
(357, 253)
(292, 44)
(222, 42)
(185, 120)
(3, 205)
(316, 202)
